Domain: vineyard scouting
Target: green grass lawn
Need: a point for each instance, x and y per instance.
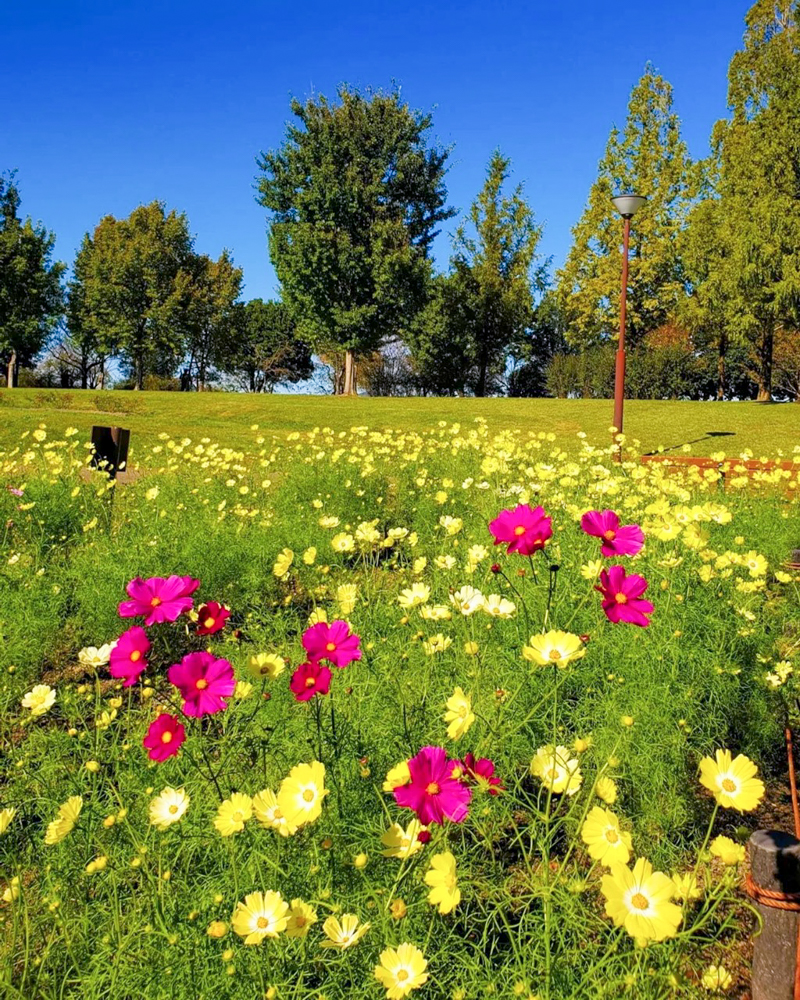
(227, 417)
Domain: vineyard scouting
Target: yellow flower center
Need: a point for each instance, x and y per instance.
(555, 654)
(135, 656)
(201, 685)
(173, 809)
(456, 773)
(402, 975)
(310, 682)
(208, 622)
(609, 535)
(154, 603)
(261, 923)
(432, 789)
(299, 920)
(612, 836)
(639, 901)
(237, 816)
(621, 598)
(728, 785)
(308, 795)
(519, 530)
(462, 711)
(166, 737)
(330, 646)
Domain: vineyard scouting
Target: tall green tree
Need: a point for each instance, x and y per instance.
(131, 290)
(354, 195)
(750, 287)
(650, 158)
(211, 329)
(266, 351)
(31, 294)
(485, 304)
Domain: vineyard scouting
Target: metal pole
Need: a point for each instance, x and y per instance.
(619, 381)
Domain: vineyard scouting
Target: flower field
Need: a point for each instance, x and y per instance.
(444, 713)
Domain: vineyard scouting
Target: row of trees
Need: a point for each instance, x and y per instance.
(355, 197)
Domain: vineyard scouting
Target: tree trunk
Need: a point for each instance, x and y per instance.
(765, 365)
(11, 379)
(483, 367)
(349, 387)
(723, 347)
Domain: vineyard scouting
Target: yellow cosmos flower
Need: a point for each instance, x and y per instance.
(559, 648)
(641, 901)
(498, 607)
(592, 569)
(261, 915)
(417, 593)
(727, 850)
(441, 877)
(233, 813)
(268, 813)
(557, 770)
(437, 644)
(346, 595)
(459, 714)
(400, 843)
(343, 542)
(39, 700)
(345, 933)
(267, 665)
(94, 656)
(6, 816)
(301, 917)
(401, 970)
(467, 600)
(686, 886)
(607, 843)
(310, 555)
(283, 562)
(168, 807)
(717, 977)
(301, 793)
(11, 891)
(217, 929)
(65, 820)
(98, 864)
(732, 781)
(756, 564)
(397, 776)
(435, 613)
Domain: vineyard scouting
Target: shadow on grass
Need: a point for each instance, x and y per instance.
(705, 437)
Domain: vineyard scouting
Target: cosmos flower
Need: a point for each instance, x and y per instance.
(309, 679)
(211, 618)
(554, 648)
(400, 843)
(622, 600)
(168, 807)
(334, 642)
(717, 977)
(233, 813)
(441, 878)
(480, 772)
(727, 850)
(204, 683)
(164, 737)
(459, 714)
(158, 599)
(733, 781)
(301, 793)
(557, 770)
(261, 915)
(267, 665)
(617, 540)
(95, 656)
(39, 700)
(640, 900)
(343, 933)
(301, 917)
(401, 970)
(268, 813)
(607, 843)
(433, 793)
(127, 659)
(65, 820)
(523, 529)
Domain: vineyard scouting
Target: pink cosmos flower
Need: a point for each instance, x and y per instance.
(158, 599)
(164, 737)
(127, 659)
(626, 540)
(524, 529)
(622, 601)
(433, 793)
(211, 618)
(334, 642)
(204, 683)
(310, 679)
(480, 772)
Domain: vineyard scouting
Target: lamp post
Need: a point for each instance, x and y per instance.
(627, 205)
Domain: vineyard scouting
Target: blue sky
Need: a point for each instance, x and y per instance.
(111, 104)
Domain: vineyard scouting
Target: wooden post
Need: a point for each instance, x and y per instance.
(775, 867)
(110, 449)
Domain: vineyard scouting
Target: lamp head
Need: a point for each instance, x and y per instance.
(628, 204)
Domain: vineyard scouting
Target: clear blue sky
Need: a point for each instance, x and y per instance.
(110, 104)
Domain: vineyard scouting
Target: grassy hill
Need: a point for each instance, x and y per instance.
(228, 417)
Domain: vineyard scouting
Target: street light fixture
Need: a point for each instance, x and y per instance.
(627, 205)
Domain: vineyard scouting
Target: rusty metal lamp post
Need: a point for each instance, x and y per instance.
(627, 205)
